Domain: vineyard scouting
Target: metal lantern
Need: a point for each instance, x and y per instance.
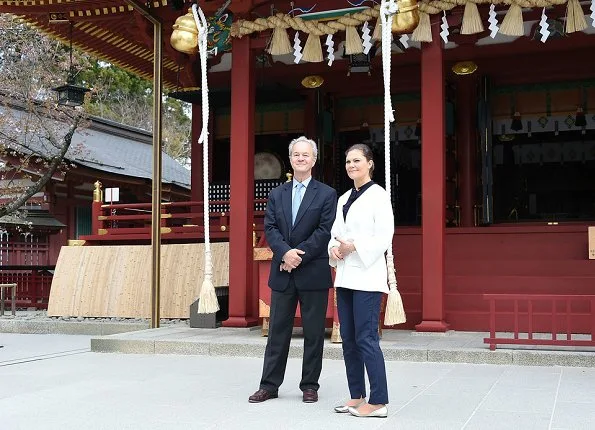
(464, 68)
(312, 81)
(70, 94)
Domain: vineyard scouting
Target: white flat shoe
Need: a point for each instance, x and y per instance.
(378, 413)
(344, 408)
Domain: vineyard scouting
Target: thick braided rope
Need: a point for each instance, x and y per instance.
(201, 25)
(242, 27)
(387, 10)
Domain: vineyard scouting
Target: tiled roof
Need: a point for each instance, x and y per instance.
(109, 147)
(123, 150)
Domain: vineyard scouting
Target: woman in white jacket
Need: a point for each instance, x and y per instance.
(361, 234)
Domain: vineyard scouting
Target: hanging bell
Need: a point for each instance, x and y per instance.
(407, 17)
(184, 37)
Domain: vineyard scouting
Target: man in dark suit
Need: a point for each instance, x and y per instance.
(298, 221)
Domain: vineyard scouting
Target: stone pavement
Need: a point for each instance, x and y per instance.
(54, 381)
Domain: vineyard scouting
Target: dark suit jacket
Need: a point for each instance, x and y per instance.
(310, 233)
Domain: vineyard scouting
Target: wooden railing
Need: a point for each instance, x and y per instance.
(24, 253)
(560, 310)
(33, 284)
(179, 220)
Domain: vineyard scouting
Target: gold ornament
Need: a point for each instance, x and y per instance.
(464, 68)
(407, 18)
(312, 81)
(184, 38)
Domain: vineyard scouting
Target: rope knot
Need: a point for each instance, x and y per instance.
(389, 7)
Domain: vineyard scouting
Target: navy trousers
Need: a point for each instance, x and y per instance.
(313, 304)
(359, 313)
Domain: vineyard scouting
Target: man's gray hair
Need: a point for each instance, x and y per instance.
(304, 139)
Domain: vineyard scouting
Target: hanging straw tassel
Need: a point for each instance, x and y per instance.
(208, 303)
(377, 29)
(353, 43)
(423, 32)
(312, 50)
(395, 312)
(575, 19)
(471, 20)
(512, 25)
(280, 44)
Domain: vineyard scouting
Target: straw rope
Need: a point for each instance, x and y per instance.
(242, 27)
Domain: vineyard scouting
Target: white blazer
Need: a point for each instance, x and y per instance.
(370, 225)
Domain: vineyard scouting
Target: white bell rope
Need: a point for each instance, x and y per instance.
(207, 303)
(394, 314)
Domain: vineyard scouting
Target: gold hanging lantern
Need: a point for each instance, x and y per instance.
(184, 38)
(464, 68)
(407, 18)
(312, 81)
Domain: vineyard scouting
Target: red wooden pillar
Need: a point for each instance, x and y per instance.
(467, 138)
(243, 308)
(433, 184)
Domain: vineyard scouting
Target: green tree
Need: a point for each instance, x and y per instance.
(126, 98)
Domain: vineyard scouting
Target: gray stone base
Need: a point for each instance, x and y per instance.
(68, 327)
(397, 345)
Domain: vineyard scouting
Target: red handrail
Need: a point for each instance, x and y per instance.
(132, 221)
(553, 299)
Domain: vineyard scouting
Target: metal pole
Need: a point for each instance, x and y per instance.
(156, 189)
(156, 192)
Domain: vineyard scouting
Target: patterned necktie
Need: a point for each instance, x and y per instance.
(297, 199)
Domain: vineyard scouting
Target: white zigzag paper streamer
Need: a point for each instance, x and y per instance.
(444, 26)
(493, 21)
(330, 48)
(297, 48)
(404, 40)
(366, 38)
(543, 27)
(592, 9)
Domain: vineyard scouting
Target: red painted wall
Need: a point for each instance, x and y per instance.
(500, 259)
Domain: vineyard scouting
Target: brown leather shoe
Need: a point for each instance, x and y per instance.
(310, 396)
(262, 395)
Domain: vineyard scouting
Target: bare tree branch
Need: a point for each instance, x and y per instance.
(42, 181)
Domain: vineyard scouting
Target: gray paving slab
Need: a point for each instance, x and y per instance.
(46, 386)
(17, 347)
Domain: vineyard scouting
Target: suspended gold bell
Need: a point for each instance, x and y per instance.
(407, 18)
(184, 38)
